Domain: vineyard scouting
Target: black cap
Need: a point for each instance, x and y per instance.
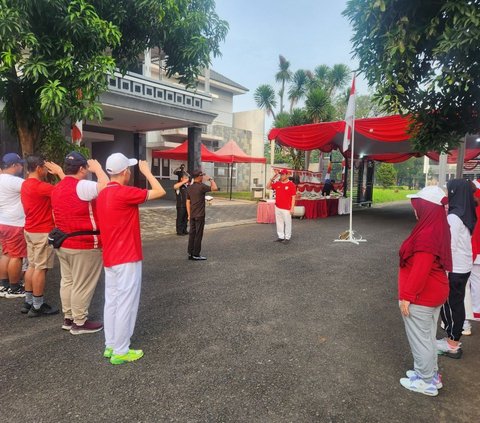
(74, 158)
(197, 173)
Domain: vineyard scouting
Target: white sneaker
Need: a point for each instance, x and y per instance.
(3, 291)
(467, 328)
(437, 378)
(444, 348)
(417, 384)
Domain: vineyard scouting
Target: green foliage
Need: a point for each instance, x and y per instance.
(423, 59)
(410, 172)
(54, 146)
(318, 105)
(386, 175)
(365, 107)
(55, 55)
(265, 98)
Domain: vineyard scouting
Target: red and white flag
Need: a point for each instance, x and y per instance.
(349, 117)
(77, 132)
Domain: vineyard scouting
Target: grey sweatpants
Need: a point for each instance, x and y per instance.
(421, 328)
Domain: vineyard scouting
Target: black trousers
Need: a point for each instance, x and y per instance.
(453, 311)
(195, 235)
(182, 220)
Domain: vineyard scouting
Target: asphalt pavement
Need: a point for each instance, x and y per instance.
(260, 332)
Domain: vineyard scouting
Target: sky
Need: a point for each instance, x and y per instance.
(307, 33)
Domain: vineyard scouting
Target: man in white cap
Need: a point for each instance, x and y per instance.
(122, 253)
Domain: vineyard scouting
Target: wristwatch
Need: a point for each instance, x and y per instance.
(210, 179)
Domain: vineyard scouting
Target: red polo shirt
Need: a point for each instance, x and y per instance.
(284, 193)
(35, 195)
(119, 221)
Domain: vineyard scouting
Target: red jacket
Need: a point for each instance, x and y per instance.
(423, 281)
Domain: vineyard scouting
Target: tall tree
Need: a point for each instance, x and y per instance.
(423, 59)
(265, 98)
(55, 54)
(283, 76)
(318, 105)
(298, 88)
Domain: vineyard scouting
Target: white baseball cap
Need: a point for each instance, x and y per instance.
(117, 163)
(432, 193)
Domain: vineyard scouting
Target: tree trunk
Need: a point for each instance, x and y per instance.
(27, 132)
(27, 138)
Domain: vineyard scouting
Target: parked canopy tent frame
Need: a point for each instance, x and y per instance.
(234, 154)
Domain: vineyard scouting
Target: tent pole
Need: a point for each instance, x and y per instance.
(231, 181)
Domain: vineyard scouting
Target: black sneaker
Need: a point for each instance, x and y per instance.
(25, 308)
(44, 310)
(17, 292)
(279, 240)
(3, 291)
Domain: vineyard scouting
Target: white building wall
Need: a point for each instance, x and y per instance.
(253, 121)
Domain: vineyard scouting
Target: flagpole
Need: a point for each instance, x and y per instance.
(351, 237)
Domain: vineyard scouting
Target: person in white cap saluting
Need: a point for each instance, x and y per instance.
(122, 253)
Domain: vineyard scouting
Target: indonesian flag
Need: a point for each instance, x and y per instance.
(349, 116)
(77, 132)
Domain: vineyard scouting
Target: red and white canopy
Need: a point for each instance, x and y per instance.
(181, 153)
(232, 153)
(381, 138)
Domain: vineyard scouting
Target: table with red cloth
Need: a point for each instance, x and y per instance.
(266, 212)
(314, 209)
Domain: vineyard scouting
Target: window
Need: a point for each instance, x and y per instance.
(161, 168)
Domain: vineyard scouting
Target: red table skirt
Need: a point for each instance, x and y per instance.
(265, 212)
(314, 209)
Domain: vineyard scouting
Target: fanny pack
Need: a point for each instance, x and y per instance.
(57, 236)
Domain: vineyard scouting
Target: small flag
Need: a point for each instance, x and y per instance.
(349, 117)
(77, 132)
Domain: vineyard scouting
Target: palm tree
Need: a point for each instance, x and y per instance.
(265, 98)
(338, 77)
(283, 75)
(320, 76)
(298, 88)
(318, 105)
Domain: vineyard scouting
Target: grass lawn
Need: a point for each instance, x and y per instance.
(386, 195)
(240, 195)
(380, 195)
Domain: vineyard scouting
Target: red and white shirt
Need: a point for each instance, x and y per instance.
(284, 192)
(74, 209)
(119, 220)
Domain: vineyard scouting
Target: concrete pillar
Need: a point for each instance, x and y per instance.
(147, 63)
(194, 148)
(207, 80)
(442, 170)
(461, 158)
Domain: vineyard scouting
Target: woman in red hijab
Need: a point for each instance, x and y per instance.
(425, 257)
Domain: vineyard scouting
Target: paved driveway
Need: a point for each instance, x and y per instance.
(261, 332)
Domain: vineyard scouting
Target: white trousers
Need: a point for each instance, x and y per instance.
(472, 294)
(284, 223)
(122, 296)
